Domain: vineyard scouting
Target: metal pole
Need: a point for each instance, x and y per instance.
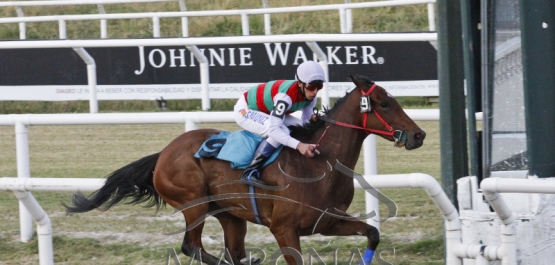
(91, 77)
(245, 24)
(343, 20)
(62, 29)
(22, 32)
(431, 17)
(23, 171)
(349, 18)
(156, 27)
(451, 97)
(204, 75)
(184, 20)
(371, 168)
(538, 56)
(488, 52)
(44, 226)
(471, 46)
(267, 19)
(103, 23)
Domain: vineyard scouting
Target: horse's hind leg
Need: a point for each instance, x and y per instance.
(178, 195)
(235, 230)
(192, 243)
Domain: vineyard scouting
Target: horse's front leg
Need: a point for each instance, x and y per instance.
(356, 227)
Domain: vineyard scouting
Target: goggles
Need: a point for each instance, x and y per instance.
(314, 86)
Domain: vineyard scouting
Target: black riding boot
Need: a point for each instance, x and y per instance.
(261, 155)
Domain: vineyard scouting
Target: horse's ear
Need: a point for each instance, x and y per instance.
(357, 81)
(362, 81)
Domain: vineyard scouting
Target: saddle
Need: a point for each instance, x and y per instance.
(235, 147)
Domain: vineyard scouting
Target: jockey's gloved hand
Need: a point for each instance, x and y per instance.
(314, 117)
(315, 114)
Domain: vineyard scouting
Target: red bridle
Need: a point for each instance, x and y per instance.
(398, 135)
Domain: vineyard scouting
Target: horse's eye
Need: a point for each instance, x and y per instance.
(383, 105)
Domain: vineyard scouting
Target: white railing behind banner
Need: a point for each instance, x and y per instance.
(344, 11)
(191, 44)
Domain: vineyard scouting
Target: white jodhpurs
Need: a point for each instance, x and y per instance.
(259, 122)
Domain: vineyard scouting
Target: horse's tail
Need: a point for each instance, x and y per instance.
(132, 181)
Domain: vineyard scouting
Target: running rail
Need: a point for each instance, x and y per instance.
(438, 196)
(190, 119)
(22, 188)
(455, 250)
(492, 187)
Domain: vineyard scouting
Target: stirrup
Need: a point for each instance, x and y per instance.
(251, 177)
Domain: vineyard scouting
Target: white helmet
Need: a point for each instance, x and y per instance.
(310, 71)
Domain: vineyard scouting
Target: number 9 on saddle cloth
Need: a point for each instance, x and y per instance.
(236, 147)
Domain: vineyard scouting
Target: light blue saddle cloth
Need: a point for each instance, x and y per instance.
(236, 147)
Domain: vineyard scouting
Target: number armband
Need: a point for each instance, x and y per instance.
(280, 108)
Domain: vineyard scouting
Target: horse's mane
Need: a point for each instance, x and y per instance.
(302, 132)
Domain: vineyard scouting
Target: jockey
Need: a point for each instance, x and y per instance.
(264, 110)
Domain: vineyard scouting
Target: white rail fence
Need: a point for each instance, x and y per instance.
(24, 183)
(455, 250)
(344, 11)
(23, 187)
(191, 44)
(190, 119)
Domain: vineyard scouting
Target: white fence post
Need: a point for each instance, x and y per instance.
(23, 171)
(245, 24)
(62, 29)
(22, 31)
(91, 77)
(267, 19)
(431, 17)
(156, 27)
(349, 18)
(44, 226)
(371, 169)
(343, 20)
(204, 75)
(190, 125)
(103, 23)
(184, 20)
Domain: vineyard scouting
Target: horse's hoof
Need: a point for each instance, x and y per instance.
(255, 260)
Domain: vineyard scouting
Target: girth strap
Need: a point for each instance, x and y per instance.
(254, 204)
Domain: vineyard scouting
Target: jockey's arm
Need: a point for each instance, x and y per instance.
(282, 103)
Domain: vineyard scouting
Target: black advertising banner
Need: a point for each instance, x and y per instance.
(173, 72)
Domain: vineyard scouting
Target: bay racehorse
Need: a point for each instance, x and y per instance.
(307, 195)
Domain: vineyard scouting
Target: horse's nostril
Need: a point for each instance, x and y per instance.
(419, 136)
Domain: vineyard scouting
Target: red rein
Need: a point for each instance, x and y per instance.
(389, 132)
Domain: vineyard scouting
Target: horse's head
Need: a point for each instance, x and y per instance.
(381, 114)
